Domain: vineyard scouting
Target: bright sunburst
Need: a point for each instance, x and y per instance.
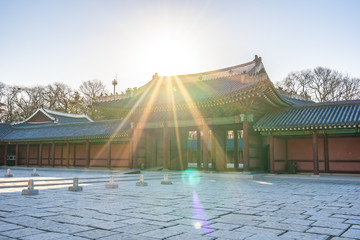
(170, 53)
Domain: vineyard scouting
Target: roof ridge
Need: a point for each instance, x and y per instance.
(213, 71)
(333, 103)
(68, 124)
(64, 114)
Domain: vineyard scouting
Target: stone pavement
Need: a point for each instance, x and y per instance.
(195, 206)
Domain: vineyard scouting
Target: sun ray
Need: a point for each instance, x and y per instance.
(145, 114)
(195, 112)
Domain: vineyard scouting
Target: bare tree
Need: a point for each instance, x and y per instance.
(58, 96)
(28, 100)
(322, 84)
(10, 110)
(92, 89)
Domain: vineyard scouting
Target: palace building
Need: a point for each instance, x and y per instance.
(232, 119)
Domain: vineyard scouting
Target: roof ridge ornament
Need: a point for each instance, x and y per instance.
(257, 59)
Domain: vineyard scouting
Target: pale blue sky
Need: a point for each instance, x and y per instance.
(70, 41)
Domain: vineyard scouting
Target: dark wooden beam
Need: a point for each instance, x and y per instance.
(198, 147)
(53, 154)
(27, 154)
(326, 153)
(16, 154)
(74, 155)
(5, 153)
(315, 153)
(213, 149)
(206, 148)
(67, 154)
(166, 146)
(220, 144)
(246, 145)
(62, 155)
(271, 153)
(236, 150)
(49, 155)
(87, 158)
(40, 155)
(109, 154)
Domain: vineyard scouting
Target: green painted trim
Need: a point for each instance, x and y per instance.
(210, 121)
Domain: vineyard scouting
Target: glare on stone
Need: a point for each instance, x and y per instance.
(197, 225)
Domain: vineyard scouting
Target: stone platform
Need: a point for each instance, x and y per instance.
(210, 206)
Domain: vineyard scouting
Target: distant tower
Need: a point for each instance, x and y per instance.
(114, 82)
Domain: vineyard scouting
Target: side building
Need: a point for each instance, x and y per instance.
(52, 138)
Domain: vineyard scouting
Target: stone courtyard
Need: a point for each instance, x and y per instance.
(198, 205)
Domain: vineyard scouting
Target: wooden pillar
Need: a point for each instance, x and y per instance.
(271, 153)
(206, 148)
(49, 155)
(108, 163)
(135, 146)
(5, 153)
(236, 150)
(62, 155)
(53, 154)
(74, 155)
(166, 146)
(220, 149)
(315, 153)
(246, 145)
(286, 154)
(27, 154)
(326, 153)
(40, 155)
(67, 154)
(213, 149)
(87, 158)
(16, 154)
(185, 160)
(198, 147)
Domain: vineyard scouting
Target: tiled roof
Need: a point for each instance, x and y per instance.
(99, 129)
(54, 117)
(198, 87)
(330, 115)
(5, 129)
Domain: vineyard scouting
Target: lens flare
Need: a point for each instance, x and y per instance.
(191, 177)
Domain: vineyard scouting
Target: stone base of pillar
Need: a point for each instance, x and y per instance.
(35, 175)
(8, 175)
(75, 189)
(111, 186)
(29, 192)
(141, 184)
(166, 182)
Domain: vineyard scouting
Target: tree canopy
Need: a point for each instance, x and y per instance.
(322, 85)
(17, 103)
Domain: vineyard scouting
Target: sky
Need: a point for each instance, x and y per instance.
(71, 41)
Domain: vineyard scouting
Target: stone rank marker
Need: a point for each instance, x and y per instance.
(8, 174)
(166, 180)
(75, 187)
(30, 190)
(111, 184)
(141, 183)
(34, 173)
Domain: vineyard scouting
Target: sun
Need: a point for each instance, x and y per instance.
(170, 54)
